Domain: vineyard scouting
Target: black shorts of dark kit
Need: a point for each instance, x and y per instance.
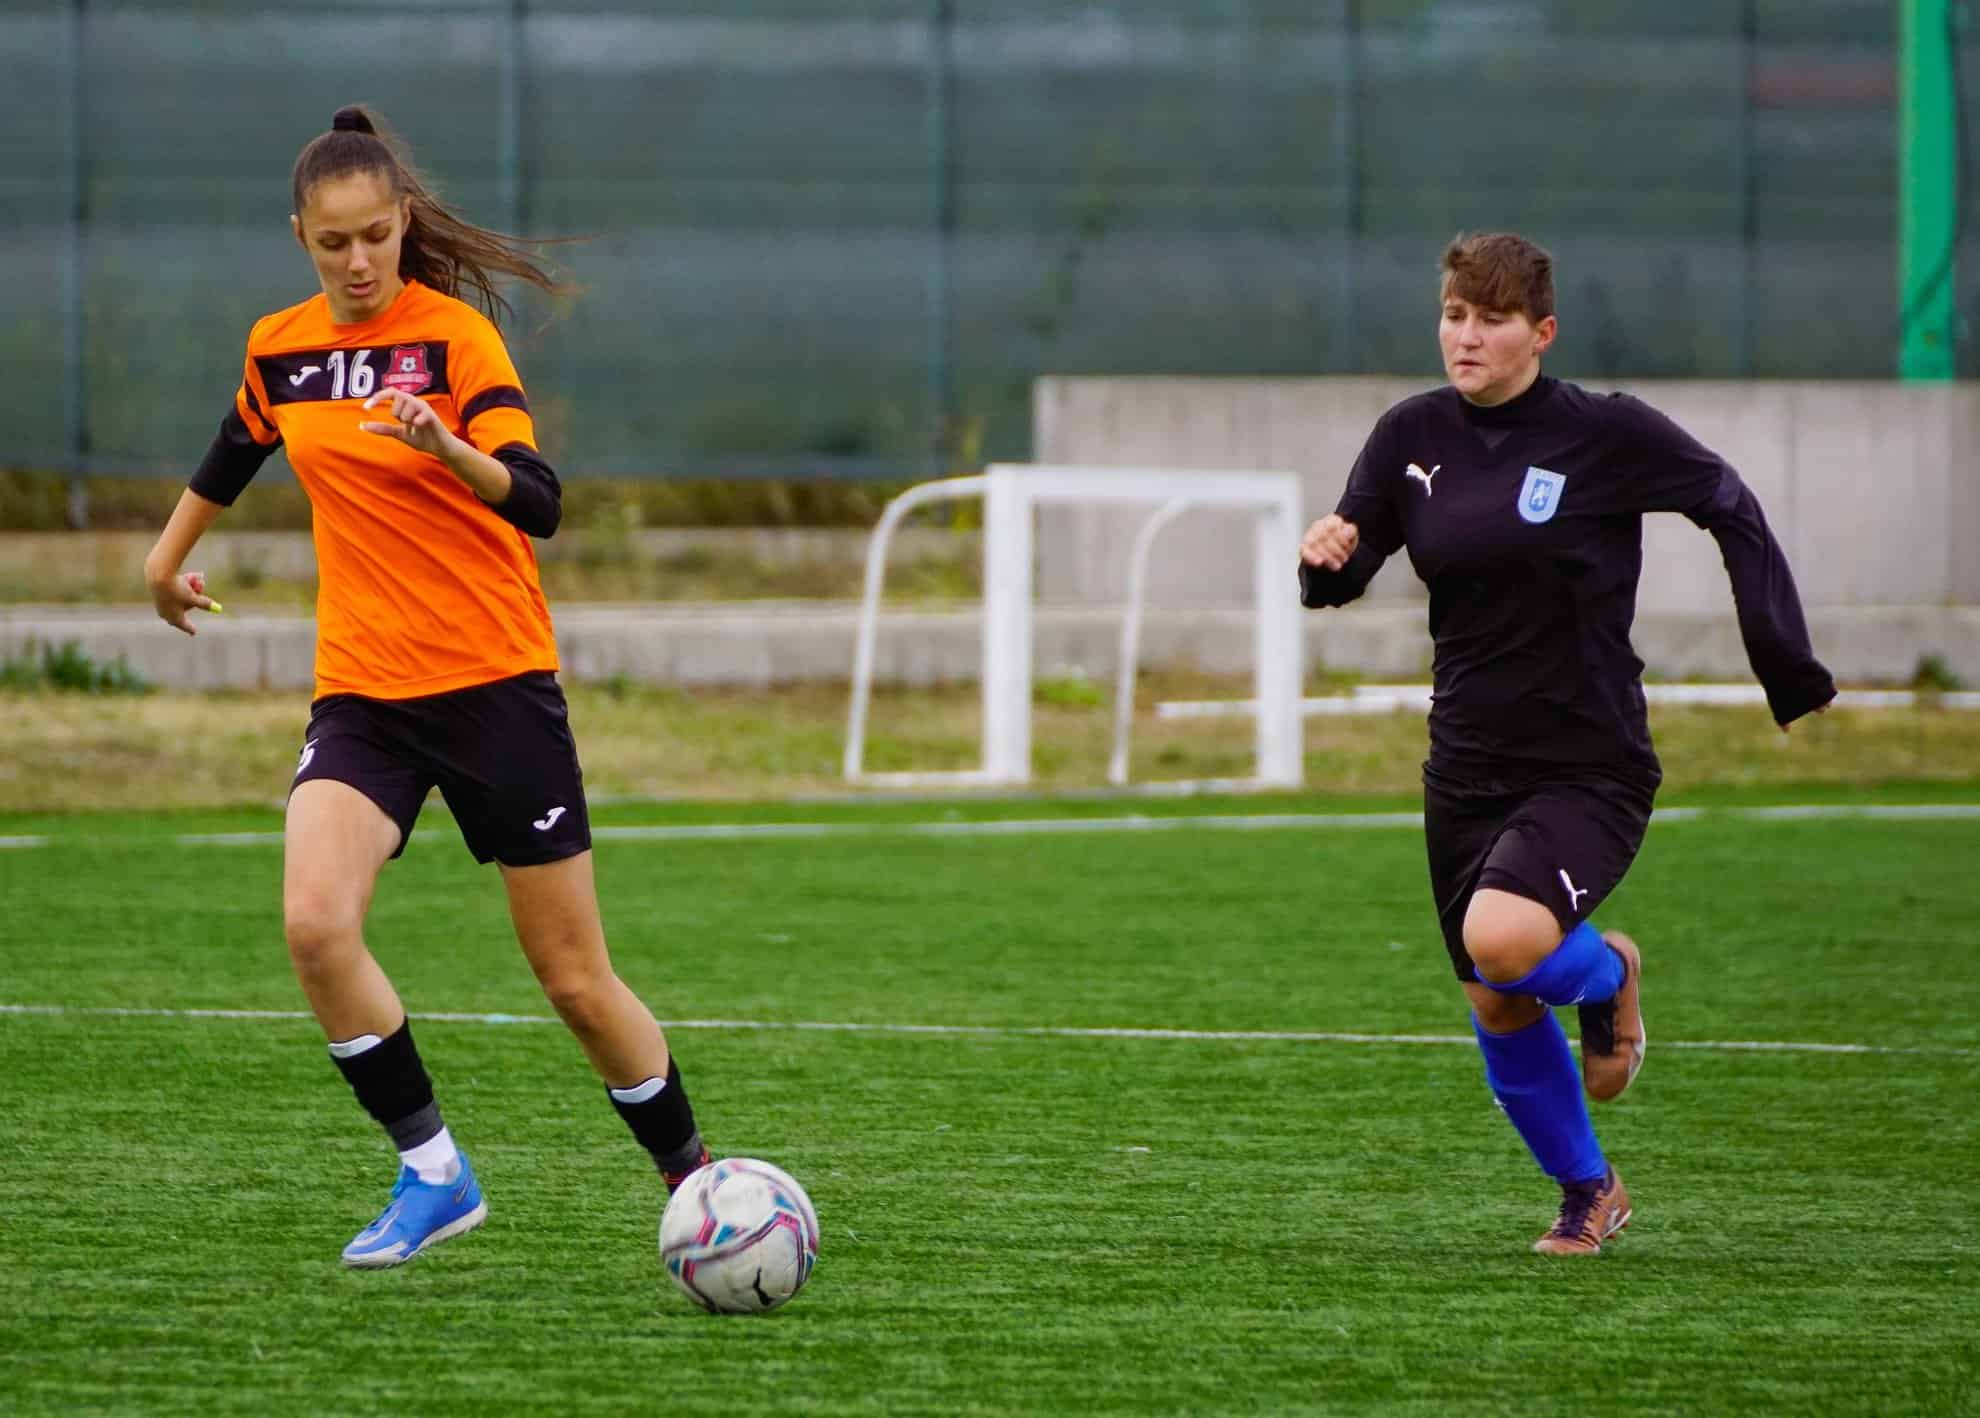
(501, 755)
(1564, 841)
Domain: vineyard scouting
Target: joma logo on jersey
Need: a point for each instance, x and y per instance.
(405, 369)
(1540, 495)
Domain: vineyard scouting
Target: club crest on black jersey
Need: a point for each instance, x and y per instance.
(1540, 495)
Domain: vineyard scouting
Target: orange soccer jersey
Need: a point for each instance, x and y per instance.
(422, 588)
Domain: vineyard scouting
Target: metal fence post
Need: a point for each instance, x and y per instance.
(76, 207)
(941, 255)
(1347, 153)
(509, 183)
(1749, 206)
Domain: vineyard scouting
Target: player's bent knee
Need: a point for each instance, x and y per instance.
(1506, 936)
(581, 998)
(318, 933)
(1500, 959)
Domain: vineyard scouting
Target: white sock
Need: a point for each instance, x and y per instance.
(436, 1160)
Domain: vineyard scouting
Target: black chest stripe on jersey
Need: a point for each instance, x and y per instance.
(318, 376)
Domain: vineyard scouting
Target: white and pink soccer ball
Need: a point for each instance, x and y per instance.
(739, 1236)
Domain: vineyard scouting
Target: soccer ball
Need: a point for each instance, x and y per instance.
(739, 1237)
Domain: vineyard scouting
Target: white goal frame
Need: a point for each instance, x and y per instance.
(1012, 494)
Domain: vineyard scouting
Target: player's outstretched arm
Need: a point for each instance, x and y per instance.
(1670, 471)
(1771, 622)
(177, 595)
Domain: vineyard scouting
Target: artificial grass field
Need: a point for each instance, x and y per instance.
(1014, 1219)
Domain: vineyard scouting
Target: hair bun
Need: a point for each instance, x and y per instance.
(351, 119)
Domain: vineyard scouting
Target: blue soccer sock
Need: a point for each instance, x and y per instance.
(1532, 1074)
(1581, 970)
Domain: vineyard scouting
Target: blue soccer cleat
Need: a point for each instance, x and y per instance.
(419, 1216)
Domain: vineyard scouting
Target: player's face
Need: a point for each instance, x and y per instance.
(1490, 356)
(352, 227)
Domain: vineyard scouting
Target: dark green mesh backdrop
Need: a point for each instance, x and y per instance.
(841, 236)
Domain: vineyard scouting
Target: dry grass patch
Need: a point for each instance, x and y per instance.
(71, 752)
(75, 752)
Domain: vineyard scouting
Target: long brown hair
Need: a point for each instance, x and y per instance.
(441, 250)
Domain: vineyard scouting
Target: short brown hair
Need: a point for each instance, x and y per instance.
(1500, 271)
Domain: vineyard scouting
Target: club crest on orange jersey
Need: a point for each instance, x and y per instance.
(407, 369)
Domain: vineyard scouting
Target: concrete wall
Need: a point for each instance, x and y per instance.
(749, 644)
(760, 644)
(1872, 488)
(1313, 427)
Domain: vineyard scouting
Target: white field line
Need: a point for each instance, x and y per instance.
(1012, 827)
(1018, 827)
(997, 1031)
(1206, 822)
(1891, 813)
(1368, 699)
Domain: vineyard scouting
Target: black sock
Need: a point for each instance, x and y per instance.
(392, 1085)
(663, 1123)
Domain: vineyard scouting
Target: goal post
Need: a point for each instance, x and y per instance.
(1012, 494)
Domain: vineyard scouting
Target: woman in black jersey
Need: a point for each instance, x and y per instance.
(1520, 499)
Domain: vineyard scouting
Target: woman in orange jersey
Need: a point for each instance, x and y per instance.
(406, 424)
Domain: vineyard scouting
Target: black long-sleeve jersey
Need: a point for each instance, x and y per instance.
(1525, 520)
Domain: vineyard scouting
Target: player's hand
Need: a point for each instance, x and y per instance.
(1329, 542)
(1818, 709)
(178, 596)
(413, 422)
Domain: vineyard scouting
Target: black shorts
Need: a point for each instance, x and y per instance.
(1564, 841)
(501, 754)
